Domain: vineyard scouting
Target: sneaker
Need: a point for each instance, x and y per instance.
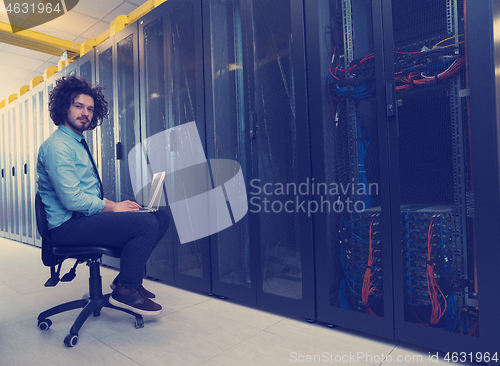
(131, 299)
(142, 290)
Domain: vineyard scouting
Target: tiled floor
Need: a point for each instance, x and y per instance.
(193, 329)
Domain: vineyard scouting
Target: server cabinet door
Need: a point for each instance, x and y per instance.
(280, 223)
(37, 126)
(71, 69)
(105, 135)
(172, 76)
(25, 206)
(3, 175)
(439, 274)
(14, 173)
(127, 108)
(121, 55)
(152, 51)
(86, 69)
(21, 127)
(50, 83)
(105, 152)
(352, 227)
(227, 138)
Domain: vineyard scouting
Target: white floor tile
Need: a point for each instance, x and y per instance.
(193, 329)
(15, 307)
(239, 313)
(270, 349)
(185, 337)
(338, 340)
(25, 344)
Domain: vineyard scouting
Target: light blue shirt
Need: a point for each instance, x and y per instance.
(66, 178)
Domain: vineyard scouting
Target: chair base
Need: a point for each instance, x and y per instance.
(90, 306)
(91, 303)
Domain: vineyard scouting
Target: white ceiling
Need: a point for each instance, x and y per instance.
(88, 19)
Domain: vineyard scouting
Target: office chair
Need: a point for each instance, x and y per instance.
(94, 301)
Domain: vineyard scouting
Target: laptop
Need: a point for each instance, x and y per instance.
(154, 193)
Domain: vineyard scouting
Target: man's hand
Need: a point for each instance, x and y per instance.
(124, 206)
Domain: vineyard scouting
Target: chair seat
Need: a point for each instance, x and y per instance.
(98, 251)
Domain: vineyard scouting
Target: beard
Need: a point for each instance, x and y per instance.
(80, 124)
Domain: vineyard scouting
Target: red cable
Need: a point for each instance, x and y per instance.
(367, 282)
(436, 314)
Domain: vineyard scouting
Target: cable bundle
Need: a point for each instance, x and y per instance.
(367, 281)
(415, 78)
(432, 285)
(357, 80)
(361, 264)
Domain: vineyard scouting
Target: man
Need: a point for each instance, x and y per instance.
(71, 192)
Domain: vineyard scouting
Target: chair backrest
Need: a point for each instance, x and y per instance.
(49, 259)
(41, 217)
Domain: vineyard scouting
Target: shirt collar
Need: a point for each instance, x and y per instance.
(70, 132)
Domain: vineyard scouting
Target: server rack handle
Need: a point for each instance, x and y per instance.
(13, 171)
(25, 169)
(119, 151)
(391, 100)
(253, 126)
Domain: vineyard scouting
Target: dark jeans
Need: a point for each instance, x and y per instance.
(136, 233)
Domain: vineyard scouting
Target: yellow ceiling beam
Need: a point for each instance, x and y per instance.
(3, 103)
(143, 9)
(12, 98)
(102, 37)
(37, 41)
(87, 46)
(51, 70)
(24, 89)
(118, 24)
(37, 80)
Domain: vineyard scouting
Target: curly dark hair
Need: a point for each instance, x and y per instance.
(64, 93)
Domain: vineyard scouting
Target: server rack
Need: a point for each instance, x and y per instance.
(280, 158)
(457, 233)
(117, 70)
(436, 285)
(350, 165)
(85, 67)
(429, 141)
(37, 126)
(171, 70)
(127, 109)
(105, 153)
(25, 164)
(3, 178)
(13, 162)
(105, 138)
(227, 113)
(50, 83)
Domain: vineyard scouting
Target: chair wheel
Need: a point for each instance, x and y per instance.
(44, 324)
(71, 340)
(139, 322)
